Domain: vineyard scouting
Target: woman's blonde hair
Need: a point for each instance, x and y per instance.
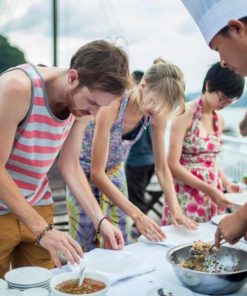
(167, 81)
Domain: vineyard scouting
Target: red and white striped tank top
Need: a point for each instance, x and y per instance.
(37, 143)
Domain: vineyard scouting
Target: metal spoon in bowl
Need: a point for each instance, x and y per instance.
(82, 275)
(163, 292)
(213, 246)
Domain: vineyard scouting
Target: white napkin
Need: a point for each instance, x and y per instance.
(216, 219)
(238, 199)
(180, 235)
(76, 267)
(115, 265)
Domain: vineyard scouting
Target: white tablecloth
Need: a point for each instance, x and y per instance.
(154, 254)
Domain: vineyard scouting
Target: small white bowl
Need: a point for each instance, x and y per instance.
(11, 292)
(58, 279)
(36, 292)
(3, 285)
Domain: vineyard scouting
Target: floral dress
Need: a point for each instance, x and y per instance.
(199, 158)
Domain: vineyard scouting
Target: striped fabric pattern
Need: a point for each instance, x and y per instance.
(37, 143)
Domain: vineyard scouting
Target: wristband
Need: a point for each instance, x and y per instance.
(43, 233)
(98, 229)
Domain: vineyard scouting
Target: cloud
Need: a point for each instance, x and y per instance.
(33, 20)
(148, 29)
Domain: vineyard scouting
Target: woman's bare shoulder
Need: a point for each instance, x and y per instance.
(188, 113)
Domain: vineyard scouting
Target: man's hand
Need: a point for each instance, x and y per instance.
(232, 227)
(112, 235)
(57, 242)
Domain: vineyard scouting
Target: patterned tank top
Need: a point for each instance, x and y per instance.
(118, 147)
(37, 142)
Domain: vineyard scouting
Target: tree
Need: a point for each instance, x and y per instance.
(10, 55)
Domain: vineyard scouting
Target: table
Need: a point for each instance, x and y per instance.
(155, 254)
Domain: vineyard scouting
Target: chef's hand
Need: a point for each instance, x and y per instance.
(232, 227)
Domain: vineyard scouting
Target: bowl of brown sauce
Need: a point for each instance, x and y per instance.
(66, 284)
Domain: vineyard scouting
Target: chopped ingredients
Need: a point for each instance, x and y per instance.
(201, 258)
(88, 286)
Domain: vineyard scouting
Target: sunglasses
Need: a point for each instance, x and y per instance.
(226, 100)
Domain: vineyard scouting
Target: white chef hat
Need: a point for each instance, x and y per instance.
(213, 15)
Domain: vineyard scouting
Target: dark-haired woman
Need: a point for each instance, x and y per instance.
(195, 143)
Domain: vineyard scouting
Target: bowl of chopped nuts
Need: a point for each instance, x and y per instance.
(214, 272)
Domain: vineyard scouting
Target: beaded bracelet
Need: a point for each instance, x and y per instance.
(98, 229)
(43, 233)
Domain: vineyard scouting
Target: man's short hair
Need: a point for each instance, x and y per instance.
(102, 66)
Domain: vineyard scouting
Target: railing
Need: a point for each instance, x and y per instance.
(58, 193)
(233, 157)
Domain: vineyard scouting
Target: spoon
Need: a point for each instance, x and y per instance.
(163, 292)
(213, 246)
(82, 275)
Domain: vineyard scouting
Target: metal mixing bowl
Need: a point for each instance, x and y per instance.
(211, 283)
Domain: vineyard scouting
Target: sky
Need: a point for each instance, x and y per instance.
(147, 29)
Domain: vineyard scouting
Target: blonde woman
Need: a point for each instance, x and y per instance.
(107, 141)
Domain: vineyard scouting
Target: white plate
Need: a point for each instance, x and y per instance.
(46, 283)
(33, 285)
(36, 292)
(28, 287)
(10, 292)
(3, 284)
(27, 276)
(238, 199)
(176, 290)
